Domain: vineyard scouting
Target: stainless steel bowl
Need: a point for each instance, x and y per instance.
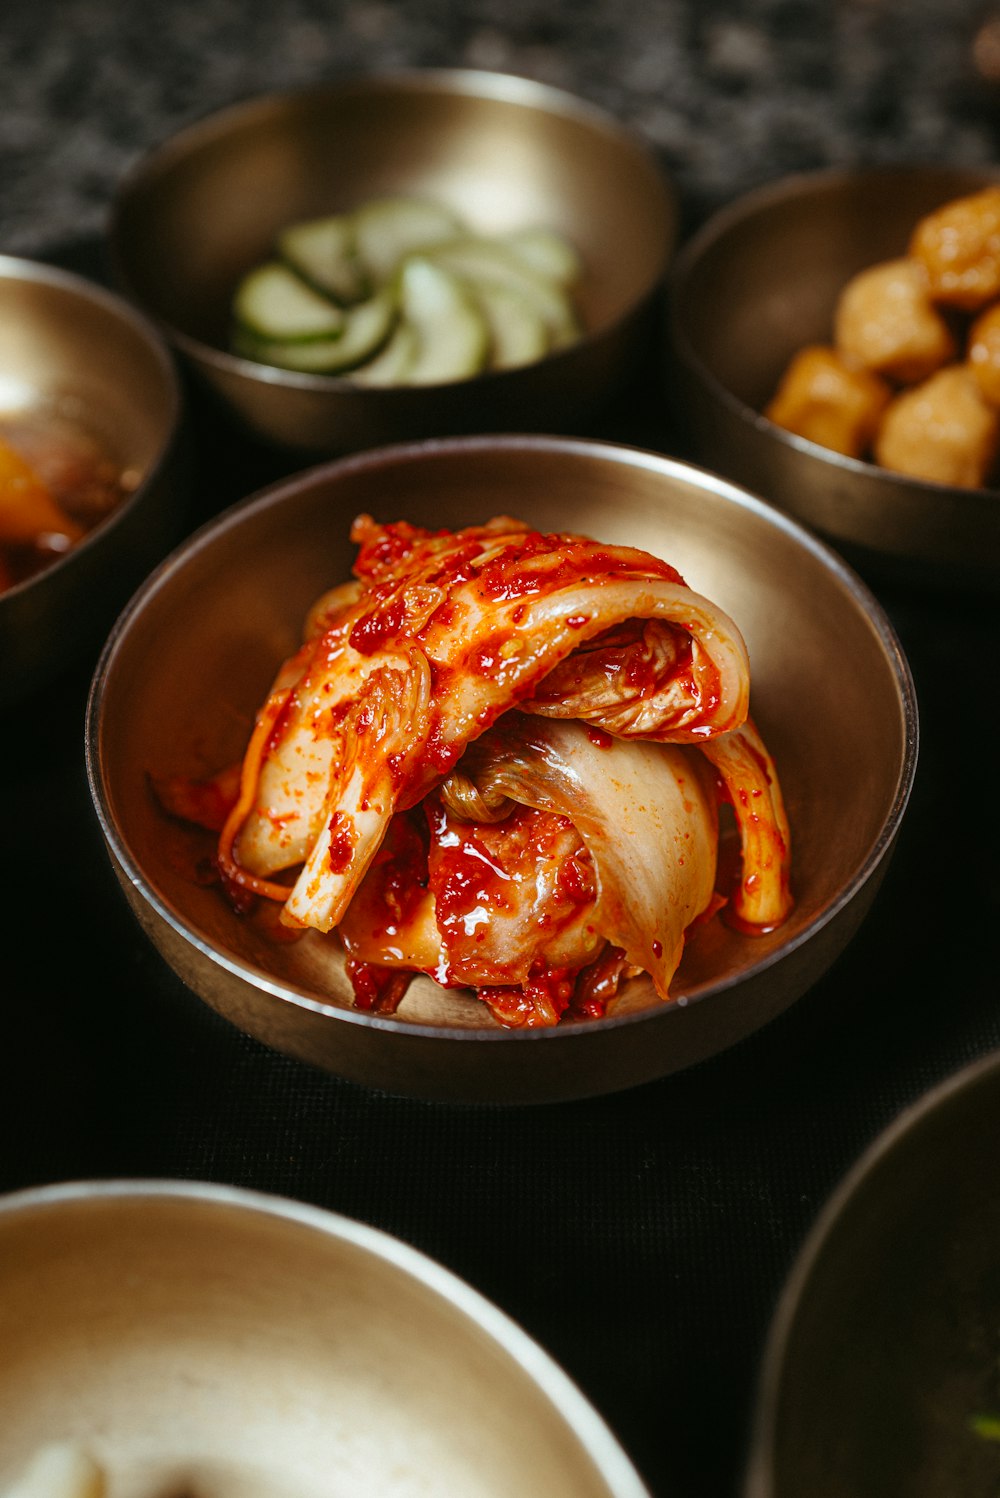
(758, 282)
(191, 659)
(205, 207)
(199, 1339)
(72, 349)
(884, 1347)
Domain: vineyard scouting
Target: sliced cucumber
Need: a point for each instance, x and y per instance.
(453, 335)
(399, 292)
(322, 250)
(386, 230)
(518, 332)
(273, 302)
(485, 260)
(392, 364)
(365, 329)
(545, 252)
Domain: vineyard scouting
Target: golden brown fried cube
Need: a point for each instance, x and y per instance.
(885, 320)
(983, 353)
(942, 431)
(959, 247)
(826, 400)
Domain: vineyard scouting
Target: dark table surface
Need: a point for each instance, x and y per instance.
(641, 1238)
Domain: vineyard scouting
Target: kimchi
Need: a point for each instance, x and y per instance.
(499, 758)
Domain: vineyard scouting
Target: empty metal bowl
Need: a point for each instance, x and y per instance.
(74, 353)
(191, 659)
(502, 151)
(755, 285)
(200, 1340)
(881, 1377)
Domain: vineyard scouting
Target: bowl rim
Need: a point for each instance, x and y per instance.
(567, 1399)
(747, 206)
(880, 1148)
(19, 268)
(428, 449)
(511, 88)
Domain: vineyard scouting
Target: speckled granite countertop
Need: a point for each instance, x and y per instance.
(729, 95)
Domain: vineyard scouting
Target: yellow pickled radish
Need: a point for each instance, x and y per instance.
(27, 508)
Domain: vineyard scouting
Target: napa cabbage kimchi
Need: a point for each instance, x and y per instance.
(499, 759)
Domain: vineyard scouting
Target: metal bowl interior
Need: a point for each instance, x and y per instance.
(759, 282)
(884, 1346)
(503, 151)
(192, 657)
(203, 1340)
(70, 349)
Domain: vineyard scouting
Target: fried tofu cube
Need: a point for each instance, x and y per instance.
(983, 352)
(826, 400)
(959, 247)
(886, 321)
(942, 431)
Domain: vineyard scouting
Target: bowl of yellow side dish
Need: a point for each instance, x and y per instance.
(833, 348)
(90, 466)
(400, 256)
(184, 1338)
(205, 851)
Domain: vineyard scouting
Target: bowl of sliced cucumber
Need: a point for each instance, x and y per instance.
(400, 256)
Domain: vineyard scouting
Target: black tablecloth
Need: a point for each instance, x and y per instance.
(642, 1238)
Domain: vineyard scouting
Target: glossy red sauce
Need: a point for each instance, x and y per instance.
(598, 984)
(576, 880)
(466, 874)
(456, 566)
(377, 990)
(280, 725)
(599, 737)
(381, 624)
(342, 842)
(383, 548)
(540, 1002)
(437, 756)
(401, 866)
(485, 658)
(444, 614)
(535, 564)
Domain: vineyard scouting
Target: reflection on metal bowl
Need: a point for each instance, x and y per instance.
(192, 657)
(197, 1339)
(501, 151)
(885, 1348)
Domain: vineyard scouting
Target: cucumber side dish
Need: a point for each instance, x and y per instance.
(401, 292)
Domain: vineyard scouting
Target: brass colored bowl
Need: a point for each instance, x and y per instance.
(200, 1339)
(70, 348)
(191, 659)
(883, 1349)
(503, 151)
(756, 284)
